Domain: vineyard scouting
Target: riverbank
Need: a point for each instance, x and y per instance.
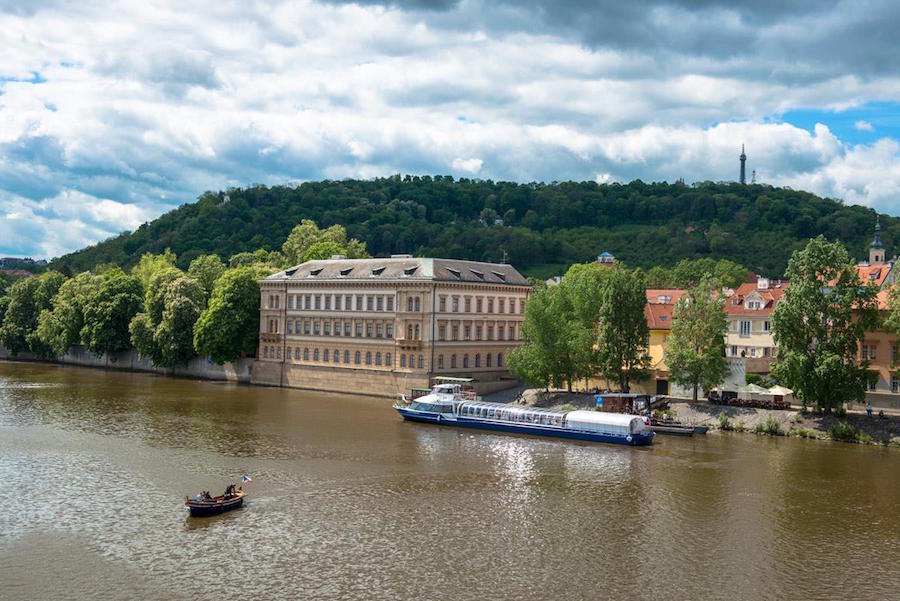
(853, 427)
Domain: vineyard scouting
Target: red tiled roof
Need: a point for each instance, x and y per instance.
(873, 274)
(734, 304)
(659, 317)
(673, 294)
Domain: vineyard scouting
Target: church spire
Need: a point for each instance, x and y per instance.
(743, 166)
(876, 249)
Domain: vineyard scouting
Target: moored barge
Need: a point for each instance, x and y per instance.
(448, 405)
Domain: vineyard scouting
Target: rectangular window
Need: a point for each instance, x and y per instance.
(477, 332)
(767, 352)
(381, 303)
(478, 305)
(369, 303)
(442, 332)
(745, 328)
(490, 332)
(328, 302)
(501, 305)
(895, 383)
(337, 302)
(753, 352)
(872, 352)
(872, 381)
(501, 333)
(468, 304)
(359, 302)
(490, 305)
(317, 327)
(455, 331)
(522, 305)
(359, 329)
(467, 333)
(378, 331)
(894, 353)
(318, 301)
(734, 351)
(456, 304)
(390, 303)
(306, 327)
(389, 330)
(348, 327)
(443, 304)
(767, 326)
(308, 301)
(368, 330)
(348, 302)
(290, 301)
(328, 328)
(290, 327)
(337, 328)
(864, 352)
(512, 305)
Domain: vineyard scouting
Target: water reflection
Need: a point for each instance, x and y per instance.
(348, 501)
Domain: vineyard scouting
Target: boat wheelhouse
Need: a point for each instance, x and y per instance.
(449, 405)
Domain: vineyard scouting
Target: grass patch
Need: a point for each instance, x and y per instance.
(864, 438)
(770, 427)
(568, 407)
(842, 431)
(724, 422)
(804, 433)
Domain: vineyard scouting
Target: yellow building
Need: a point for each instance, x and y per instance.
(658, 311)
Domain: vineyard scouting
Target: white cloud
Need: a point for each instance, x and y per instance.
(863, 126)
(468, 165)
(238, 93)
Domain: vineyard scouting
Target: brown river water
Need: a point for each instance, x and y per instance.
(350, 502)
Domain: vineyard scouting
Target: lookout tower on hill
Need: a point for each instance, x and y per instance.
(743, 166)
(876, 249)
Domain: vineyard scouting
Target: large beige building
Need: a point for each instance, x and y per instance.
(382, 326)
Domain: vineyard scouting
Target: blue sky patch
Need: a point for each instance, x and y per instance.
(863, 124)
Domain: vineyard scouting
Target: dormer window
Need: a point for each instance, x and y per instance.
(346, 272)
(315, 272)
(500, 276)
(478, 274)
(377, 271)
(455, 273)
(408, 271)
(290, 272)
(664, 318)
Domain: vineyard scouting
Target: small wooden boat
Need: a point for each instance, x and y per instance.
(676, 429)
(204, 504)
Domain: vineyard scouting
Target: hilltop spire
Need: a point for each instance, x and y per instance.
(743, 166)
(876, 249)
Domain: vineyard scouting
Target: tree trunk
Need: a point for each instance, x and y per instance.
(696, 386)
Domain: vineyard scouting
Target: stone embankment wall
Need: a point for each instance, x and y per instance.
(198, 367)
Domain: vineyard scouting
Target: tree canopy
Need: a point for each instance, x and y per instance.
(229, 327)
(109, 311)
(623, 333)
(695, 353)
(819, 324)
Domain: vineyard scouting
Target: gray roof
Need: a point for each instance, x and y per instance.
(404, 268)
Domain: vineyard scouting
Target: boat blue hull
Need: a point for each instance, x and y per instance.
(531, 429)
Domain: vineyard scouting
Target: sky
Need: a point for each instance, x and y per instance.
(112, 113)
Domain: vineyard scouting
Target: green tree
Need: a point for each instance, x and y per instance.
(150, 264)
(27, 298)
(696, 347)
(307, 233)
(163, 332)
(229, 327)
(206, 269)
(322, 249)
(819, 323)
(4, 305)
(582, 290)
(622, 327)
(59, 328)
(109, 311)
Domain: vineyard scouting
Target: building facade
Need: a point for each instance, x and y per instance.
(749, 314)
(382, 326)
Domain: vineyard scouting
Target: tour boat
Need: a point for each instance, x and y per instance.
(204, 504)
(449, 405)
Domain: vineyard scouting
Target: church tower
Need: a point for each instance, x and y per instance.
(743, 166)
(876, 249)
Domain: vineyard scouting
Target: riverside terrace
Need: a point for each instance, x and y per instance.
(386, 325)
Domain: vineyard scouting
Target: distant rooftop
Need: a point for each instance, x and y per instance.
(404, 267)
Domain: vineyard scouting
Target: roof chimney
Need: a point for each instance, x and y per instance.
(762, 283)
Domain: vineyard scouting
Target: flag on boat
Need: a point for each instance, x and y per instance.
(246, 478)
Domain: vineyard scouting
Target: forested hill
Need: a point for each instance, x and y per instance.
(542, 227)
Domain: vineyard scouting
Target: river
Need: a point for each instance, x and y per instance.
(350, 502)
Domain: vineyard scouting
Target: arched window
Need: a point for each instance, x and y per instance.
(409, 332)
(402, 360)
(337, 356)
(358, 355)
(488, 357)
(306, 354)
(315, 354)
(421, 362)
(346, 356)
(288, 355)
(452, 361)
(417, 332)
(387, 359)
(297, 353)
(500, 360)
(418, 304)
(327, 356)
(369, 358)
(412, 361)
(265, 352)
(440, 362)
(377, 358)
(409, 304)
(477, 359)
(465, 361)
